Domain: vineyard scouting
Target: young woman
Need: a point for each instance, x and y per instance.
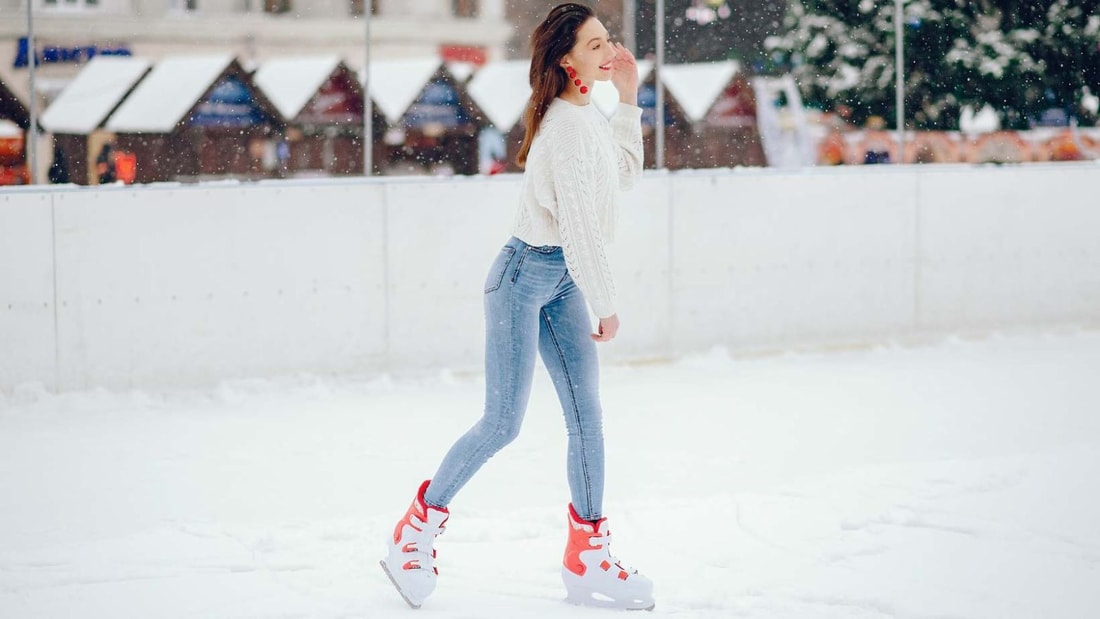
(575, 164)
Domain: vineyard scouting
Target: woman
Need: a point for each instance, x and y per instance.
(576, 161)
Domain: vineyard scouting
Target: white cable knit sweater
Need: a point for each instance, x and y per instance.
(578, 163)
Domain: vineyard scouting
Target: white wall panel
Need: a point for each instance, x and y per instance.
(767, 260)
(27, 342)
(640, 259)
(1013, 247)
(194, 284)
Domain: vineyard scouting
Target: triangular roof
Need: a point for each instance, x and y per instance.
(94, 93)
(395, 84)
(12, 108)
(291, 82)
(461, 69)
(697, 85)
(501, 90)
(172, 89)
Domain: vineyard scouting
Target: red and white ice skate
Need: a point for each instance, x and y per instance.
(593, 577)
(410, 563)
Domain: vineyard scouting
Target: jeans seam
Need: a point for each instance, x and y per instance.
(519, 265)
(573, 405)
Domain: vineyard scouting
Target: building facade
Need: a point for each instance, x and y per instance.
(69, 32)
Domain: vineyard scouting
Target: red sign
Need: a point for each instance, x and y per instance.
(463, 53)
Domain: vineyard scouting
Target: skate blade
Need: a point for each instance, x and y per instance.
(581, 599)
(397, 586)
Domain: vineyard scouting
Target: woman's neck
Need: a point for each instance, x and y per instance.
(574, 97)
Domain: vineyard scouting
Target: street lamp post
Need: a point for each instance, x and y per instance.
(659, 120)
(32, 132)
(899, 76)
(368, 105)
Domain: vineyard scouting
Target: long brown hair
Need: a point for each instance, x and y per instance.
(552, 40)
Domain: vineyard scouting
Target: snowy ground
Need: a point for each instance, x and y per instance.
(954, 480)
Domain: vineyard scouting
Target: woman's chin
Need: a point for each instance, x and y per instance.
(603, 76)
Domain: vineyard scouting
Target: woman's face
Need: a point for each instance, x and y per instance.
(592, 55)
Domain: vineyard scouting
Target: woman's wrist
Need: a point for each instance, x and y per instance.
(629, 97)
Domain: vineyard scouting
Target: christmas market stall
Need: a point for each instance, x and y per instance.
(77, 116)
(501, 90)
(719, 105)
(322, 102)
(198, 117)
(14, 122)
(433, 124)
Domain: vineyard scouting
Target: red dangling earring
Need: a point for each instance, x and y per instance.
(576, 81)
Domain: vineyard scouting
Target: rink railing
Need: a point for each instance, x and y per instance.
(190, 284)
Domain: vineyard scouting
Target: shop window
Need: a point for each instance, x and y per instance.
(465, 8)
(277, 6)
(357, 7)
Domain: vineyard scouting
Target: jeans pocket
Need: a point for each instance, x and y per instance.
(500, 266)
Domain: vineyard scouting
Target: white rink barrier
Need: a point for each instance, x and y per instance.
(190, 284)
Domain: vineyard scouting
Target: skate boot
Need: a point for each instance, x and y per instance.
(410, 563)
(593, 577)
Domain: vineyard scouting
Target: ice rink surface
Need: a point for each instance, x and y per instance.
(957, 479)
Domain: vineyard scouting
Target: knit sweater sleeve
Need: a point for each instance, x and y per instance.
(575, 177)
(626, 129)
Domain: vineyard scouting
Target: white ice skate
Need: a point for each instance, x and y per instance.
(593, 577)
(410, 563)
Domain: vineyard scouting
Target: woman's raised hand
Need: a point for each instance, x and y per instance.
(624, 75)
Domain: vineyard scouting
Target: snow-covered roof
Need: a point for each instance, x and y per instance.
(8, 129)
(289, 83)
(99, 87)
(606, 97)
(501, 90)
(461, 69)
(170, 90)
(697, 85)
(395, 84)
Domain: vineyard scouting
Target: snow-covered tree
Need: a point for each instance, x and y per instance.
(1019, 56)
(1069, 48)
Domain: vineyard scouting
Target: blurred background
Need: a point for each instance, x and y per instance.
(139, 91)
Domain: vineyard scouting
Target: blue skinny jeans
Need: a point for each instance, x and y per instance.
(532, 304)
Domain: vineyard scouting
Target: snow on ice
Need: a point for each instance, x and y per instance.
(951, 480)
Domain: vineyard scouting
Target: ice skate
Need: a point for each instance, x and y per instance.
(410, 562)
(593, 577)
